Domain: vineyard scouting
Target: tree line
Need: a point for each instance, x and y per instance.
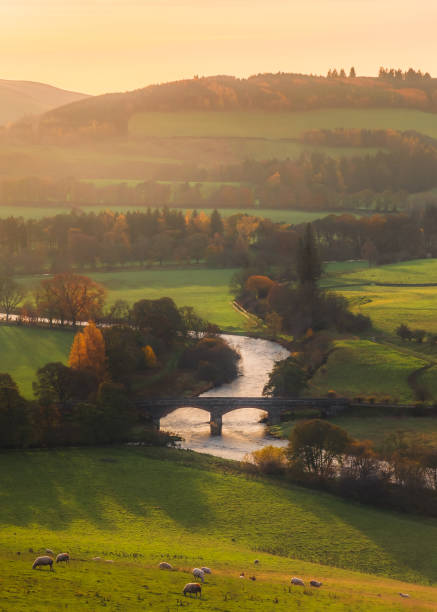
(400, 475)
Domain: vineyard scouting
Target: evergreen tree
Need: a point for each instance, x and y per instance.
(309, 265)
(352, 73)
(216, 223)
(342, 73)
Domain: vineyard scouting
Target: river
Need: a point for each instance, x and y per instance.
(242, 431)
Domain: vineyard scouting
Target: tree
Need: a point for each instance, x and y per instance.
(150, 356)
(216, 224)
(287, 379)
(58, 384)
(317, 445)
(124, 352)
(11, 294)
(309, 265)
(73, 297)
(88, 351)
(352, 73)
(158, 318)
(404, 332)
(14, 421)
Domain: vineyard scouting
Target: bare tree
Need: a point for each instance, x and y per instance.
(11, 294)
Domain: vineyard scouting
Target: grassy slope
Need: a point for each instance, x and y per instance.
(157, 508)
(278, 125)
(23, 351)
(206, 290)
(362, 367)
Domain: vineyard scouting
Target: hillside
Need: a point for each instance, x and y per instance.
(109, 114)
(137, 507)
(23, 98)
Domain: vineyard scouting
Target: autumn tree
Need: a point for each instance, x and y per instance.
(287, 379)
(88, 351)
(72, 297)
(11, 294)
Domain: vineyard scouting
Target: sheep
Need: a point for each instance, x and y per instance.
(404, 594)
(242, 575)
(252, 578)
(63, 557)
(206, 570)
(256, 561)
(97, 558)
(192, 587)
(297, 581)
(315, 583)
(49, 552)
(198, 573)
(45, 560)
(165, 565)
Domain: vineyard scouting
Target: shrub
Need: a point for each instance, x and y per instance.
(268, 460)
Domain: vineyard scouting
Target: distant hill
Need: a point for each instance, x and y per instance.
(109, 114)
(23, 98)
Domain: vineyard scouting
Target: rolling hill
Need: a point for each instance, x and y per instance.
(22, 98)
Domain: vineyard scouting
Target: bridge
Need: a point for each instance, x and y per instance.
(219, 406)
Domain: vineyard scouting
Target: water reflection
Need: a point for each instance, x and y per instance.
(242, 432)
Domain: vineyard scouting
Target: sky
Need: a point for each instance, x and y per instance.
(97, 46)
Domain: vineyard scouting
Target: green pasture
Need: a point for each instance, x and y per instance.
(377, 428)
(137, 507)
(275, 125)
(372, 292)
(24, 350)
(206, 290)
(365, 368)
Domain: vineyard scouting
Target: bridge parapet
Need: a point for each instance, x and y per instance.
(219, 406)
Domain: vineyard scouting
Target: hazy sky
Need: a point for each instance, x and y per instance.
(115, 45)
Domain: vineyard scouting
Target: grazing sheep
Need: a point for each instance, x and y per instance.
(206, 570)
(198, 573)
(297, 581)
(256, 561)
(315, 583)
(49, 551)
(97, 558)
(404, 594)
(39, 561)
(193, 587)
(63, 557)
(252, 577)
(165, 565)
(242, 575)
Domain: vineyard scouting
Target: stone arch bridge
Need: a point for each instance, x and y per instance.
(219, 406)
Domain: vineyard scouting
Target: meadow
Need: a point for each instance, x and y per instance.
(278, 125)
(137, 507)
(24, 350)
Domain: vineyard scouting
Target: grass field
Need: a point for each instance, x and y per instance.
(206, 290)
(377, 428)
(258, 124)
(388, 306)
(137, 507)
(364, 368)
(23, 351)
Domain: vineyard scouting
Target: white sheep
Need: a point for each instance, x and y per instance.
(198, 573)
(63, 557)
(165, 565)
(297, 581)
(206, 570)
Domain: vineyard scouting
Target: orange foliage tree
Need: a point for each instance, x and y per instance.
(88, 351)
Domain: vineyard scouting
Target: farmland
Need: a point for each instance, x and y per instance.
(108, 502)
(278, 125)
(24, 350)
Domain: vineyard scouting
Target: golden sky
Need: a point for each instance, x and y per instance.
(97, 46)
